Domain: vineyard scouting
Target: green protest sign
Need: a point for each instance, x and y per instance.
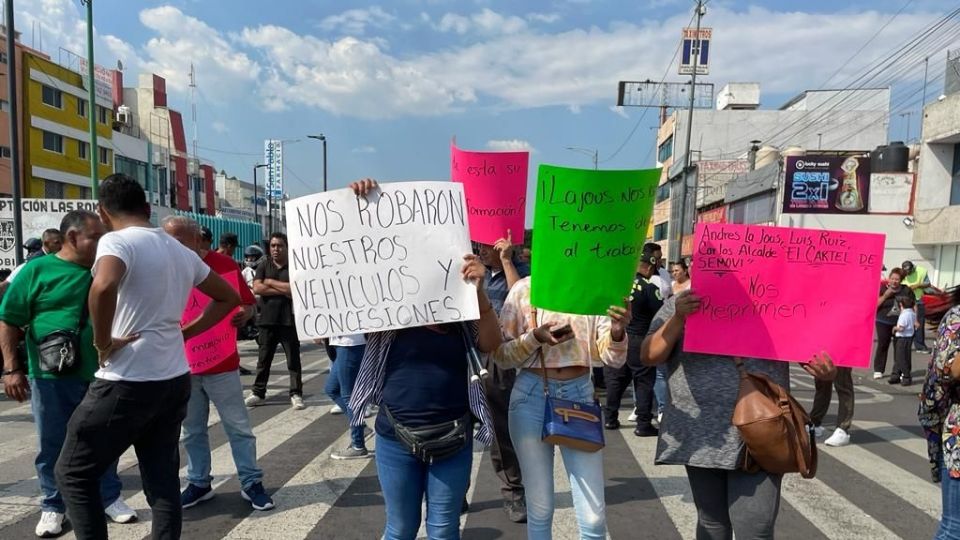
(589, 228)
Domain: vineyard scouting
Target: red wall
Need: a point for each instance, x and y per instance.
(159, 91)
(183, 187)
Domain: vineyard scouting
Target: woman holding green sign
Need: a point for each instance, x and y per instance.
(697, 429)
(555, 352)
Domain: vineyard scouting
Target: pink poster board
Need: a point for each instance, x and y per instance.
(495, 185)
(784, 293)
(207, 350)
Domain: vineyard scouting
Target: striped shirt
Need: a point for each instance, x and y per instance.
(369, 386)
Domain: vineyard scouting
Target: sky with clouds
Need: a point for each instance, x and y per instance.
(389, 83)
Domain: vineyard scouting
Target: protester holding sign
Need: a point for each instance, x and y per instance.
(217, 382)
(697, 430)
(419, 377)
(562, 348)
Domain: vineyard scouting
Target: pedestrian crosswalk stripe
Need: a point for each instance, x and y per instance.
(899, 437)
(835, 516)
(669, 482)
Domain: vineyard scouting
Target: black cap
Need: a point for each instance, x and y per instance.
(906, 265)
(33, 244)
(206, 234)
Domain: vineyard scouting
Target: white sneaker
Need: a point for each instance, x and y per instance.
(660, 418)
(877, 375)
(839, 438)
(818, 431)
(368, 412)
(120, 512)
(335, 409)
(297, 402)
(633, 416)
(253, 400)
(51, 524)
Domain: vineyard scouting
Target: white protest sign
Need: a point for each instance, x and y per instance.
(390, 260)
(37, 215)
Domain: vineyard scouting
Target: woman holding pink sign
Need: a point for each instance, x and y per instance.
(697, 430)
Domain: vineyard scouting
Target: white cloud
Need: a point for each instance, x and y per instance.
(348, 76)
(547, 18)
(507, 145)
(354, 22)
(220, 127)
(619, 111)
(486, 22)
(366, 149)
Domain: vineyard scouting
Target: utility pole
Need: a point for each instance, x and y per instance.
(695, 55)
(14, 133)
(92, 111)
(322, 138)
(593, 153)
(256, 195)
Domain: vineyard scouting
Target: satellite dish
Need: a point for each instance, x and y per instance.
(119, 65)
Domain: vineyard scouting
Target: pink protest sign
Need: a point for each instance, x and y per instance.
(783, 293)
(495, 185)
(208, 350)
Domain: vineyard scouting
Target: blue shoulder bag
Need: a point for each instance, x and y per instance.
(569, 423)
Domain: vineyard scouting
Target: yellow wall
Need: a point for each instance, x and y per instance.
(33, 106)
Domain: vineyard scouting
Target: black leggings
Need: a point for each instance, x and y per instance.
(884, 337)
(734, 502)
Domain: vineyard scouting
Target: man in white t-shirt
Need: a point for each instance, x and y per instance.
(141, 280)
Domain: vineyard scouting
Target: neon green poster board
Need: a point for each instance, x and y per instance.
(589, 228)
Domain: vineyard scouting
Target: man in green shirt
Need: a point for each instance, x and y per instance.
(917, 279)
(49, 295)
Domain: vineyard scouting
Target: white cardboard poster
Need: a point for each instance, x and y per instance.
(890, 193)
(37, 215)
(390, 260)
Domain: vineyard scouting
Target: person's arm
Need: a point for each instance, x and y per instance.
(504, 247)
(280, 288)
(102, 300)
(489, 336)
(658, 346)
(611, 339)
(887, 294)
(15, 384)
(247, 301)
(260, 286)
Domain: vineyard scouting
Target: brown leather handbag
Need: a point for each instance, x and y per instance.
(775, 427)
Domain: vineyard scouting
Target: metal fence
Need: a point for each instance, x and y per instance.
(247, 232)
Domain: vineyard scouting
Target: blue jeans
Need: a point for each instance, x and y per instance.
(660, 387)
(226, 392)
(585, 469)
(950, 519)
(53, 402)
(343, 374)
(405, 481)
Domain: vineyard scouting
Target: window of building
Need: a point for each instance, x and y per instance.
(755, 210)
(660, 232)
(4, 106)
(82, 107)
(3, 57)
(663, 192)
(132, 168)
(103, 114)
(104, 156)
(5, 152)
(52, 142)
(52, 190)
(955, 181)
(52, 96)
(83, 150)
(86, 193)
(665, 151)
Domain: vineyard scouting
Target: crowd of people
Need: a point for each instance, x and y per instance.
(107, 370)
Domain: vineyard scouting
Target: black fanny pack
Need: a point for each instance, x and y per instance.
(59, 351)
(434, 442)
